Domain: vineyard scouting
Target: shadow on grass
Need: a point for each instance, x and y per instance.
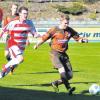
(49, 84)
(23, 94)
(39, 85)
(48, 72)
(83, 82)
(43, 72)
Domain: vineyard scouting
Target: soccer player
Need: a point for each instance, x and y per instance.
(18, 30)
(13, 16)
(60, 36)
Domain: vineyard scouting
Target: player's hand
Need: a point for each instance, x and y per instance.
(84, 40)
(27, 43)
(37, 35)
(35, 47)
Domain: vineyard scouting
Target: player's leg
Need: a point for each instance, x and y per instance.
(66, 72)
(7, 55)
(17, 58)
(65, 81)
(56, 63)
(12, 69)
(59, 60)
(6, 68)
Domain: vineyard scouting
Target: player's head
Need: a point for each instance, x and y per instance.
(23, 13)
(64, 21)
(14, 9)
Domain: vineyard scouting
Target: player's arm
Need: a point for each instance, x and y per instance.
(42, 39)
(38, 43)
(1, 34)
(80, 39)
(5, 22)
(77, 38)
(45, 37)
(5, 29)
(33, 29)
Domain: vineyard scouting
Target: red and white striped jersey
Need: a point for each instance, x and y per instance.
(19, 32)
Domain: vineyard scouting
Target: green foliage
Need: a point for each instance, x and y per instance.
(93, 15)
(75, 9)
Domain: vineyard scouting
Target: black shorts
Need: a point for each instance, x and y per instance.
(61, 60)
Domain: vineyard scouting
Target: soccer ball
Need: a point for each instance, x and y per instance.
(94, 89)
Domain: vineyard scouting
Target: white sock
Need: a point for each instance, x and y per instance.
(12, 62)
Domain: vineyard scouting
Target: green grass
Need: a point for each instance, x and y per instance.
(32, 78)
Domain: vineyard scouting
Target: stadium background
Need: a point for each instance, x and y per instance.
(86, 27)
(90, 31)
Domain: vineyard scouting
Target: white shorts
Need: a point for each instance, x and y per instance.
(14, 51)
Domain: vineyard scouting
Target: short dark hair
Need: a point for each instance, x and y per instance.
(15, 4)
(64, 17)
(23, 8)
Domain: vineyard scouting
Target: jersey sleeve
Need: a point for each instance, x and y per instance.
(33, 29)
(49, 34)
(8, 27)
(74, 34)
(6, 21)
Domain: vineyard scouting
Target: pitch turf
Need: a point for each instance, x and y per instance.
(31, 79)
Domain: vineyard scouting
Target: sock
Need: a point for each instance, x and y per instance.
(12, 62)
(65, 80)
(58, 82)
(13, 67)
(8, 57)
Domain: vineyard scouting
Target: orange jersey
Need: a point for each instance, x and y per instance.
(60, 38)
(9, 19)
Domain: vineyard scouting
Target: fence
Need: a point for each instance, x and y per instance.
(90, 30)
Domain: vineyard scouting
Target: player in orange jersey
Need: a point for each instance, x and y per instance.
(60, 36)
(14, 16)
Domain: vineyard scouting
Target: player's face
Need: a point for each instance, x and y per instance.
(14, 9)
(23, 14)
(64, 23)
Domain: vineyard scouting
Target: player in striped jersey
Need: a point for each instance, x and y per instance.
(18, 30)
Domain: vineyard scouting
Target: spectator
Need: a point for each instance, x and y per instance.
(1, 16)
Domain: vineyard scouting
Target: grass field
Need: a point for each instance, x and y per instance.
(31, 80)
